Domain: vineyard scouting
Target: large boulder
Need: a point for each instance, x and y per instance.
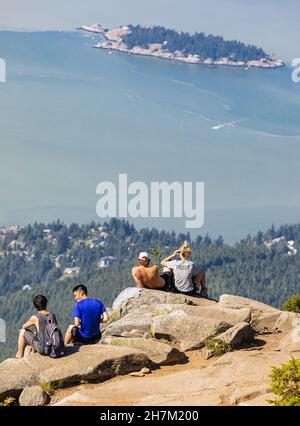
(139, 320)
(232, 316)
(133, 298)
(188, 330)
(93, 363)
(87, 363)
(291, 342)
(239, 302)
(158, 352)
(15, 375)
(126, 295)
(237, 335)
(34, 396)
(265, 322)
(263, 317)
(287, 321)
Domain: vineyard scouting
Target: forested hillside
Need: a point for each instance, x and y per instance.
(52, 258)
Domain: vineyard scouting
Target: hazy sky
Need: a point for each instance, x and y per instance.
(271, 24)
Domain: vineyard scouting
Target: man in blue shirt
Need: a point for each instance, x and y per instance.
(88, 314)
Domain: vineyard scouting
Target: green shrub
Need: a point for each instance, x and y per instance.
(156, 253)
(285, 383)
(292, 304)
(217, 346)
(47, 387)
(50, 388)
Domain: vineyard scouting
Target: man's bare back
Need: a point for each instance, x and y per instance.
(148, 277)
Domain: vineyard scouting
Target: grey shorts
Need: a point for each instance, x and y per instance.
(31, 339)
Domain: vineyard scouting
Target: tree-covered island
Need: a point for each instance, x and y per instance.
(197, 48)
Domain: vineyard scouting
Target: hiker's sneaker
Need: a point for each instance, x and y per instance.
(204, 292)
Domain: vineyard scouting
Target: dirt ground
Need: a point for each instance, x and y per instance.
(128, 390)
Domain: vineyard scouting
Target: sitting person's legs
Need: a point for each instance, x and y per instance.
(73, 336)
(168, 277)
(200, 280)
(68, 335)
(26, 338)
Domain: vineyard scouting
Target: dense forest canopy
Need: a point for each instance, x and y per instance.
(36, 258)
(206, 46)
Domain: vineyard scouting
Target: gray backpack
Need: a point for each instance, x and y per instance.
(53, 342)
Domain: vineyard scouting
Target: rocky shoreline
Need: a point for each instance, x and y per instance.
(114, 41)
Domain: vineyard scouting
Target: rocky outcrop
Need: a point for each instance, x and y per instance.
(158, 352)
(152, 329)
(263, 317)
(186, 321)
(87, 363)
(189, 331)
(237, 378)
(133, 298)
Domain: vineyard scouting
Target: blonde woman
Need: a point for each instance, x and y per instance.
(187, 279)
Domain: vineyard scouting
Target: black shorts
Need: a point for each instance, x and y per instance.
(187, 293)
(169, 281)
(84, 341)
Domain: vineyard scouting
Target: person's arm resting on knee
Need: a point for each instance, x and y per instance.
(30, 323)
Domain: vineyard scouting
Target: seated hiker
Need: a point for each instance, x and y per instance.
(187, 279)
(146, 276)
(46, 339)
(88, 313)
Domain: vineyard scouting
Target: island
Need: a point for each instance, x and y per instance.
(197, 48)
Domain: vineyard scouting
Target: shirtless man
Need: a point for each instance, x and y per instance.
(147, 276)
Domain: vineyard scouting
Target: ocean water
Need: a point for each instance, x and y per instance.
(72, 116)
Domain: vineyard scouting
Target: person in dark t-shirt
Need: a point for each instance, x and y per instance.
(33, 332)
(88, 314)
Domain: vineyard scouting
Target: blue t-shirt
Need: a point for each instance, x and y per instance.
(89, 312)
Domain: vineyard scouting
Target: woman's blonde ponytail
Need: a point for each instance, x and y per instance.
(185, 250)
